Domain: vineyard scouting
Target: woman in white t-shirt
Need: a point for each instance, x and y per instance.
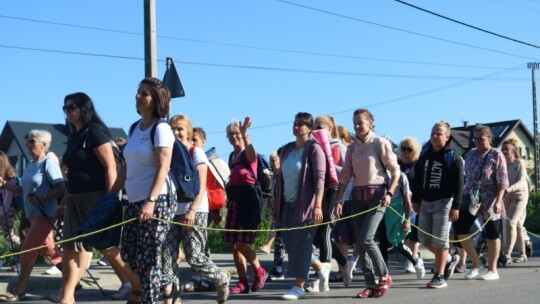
(148, 157)
(194, 214)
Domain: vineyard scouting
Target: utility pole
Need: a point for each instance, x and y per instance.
(533, 66)
(150, 53)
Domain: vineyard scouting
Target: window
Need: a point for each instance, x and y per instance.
(527, 153)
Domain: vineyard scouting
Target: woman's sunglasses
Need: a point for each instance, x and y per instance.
(69, 108)
(406, 149)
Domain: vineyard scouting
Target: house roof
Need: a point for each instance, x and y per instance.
(500, 131)
(15, 131)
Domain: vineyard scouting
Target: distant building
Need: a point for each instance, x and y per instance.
(12, 140)
(502, 130)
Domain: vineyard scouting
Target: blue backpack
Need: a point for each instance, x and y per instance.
(448, 156)
(184, 174)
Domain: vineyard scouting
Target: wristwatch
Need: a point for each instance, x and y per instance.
(152, 198)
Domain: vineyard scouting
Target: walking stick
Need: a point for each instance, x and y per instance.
(40, 207)
(8, 231)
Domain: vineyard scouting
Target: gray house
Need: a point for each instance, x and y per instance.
(13, 144)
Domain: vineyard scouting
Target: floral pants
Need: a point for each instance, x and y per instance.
(194, 240)
(141, 243)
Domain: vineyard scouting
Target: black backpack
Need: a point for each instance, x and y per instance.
(184, 174)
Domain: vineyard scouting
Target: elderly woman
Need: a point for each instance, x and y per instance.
(42, 184)
(515, 204)
(243, 162)
(299, 199)
(408, 153)
(367, 160)
(487, 180)
(148, 186)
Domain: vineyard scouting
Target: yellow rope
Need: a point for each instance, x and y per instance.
(256, 230)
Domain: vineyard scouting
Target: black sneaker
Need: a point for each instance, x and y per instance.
(450, 266)
(276, 275)
(438, 281)
(528, 249)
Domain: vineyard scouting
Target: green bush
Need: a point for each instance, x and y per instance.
(215, 238)
(532, 222)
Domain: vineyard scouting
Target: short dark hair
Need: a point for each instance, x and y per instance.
(200, 132)
(305, 118)
(160, 95)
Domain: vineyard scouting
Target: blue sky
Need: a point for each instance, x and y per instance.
(270, 59)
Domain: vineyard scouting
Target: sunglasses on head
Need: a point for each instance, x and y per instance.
(69, 108)
(406, 149)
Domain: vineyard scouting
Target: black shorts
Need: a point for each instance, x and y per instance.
(466, 220)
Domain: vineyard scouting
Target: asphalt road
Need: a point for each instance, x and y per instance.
(519, 283)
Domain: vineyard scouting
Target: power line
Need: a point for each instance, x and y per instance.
(254, 47)
(404, 31)
(468, 25)
(392, 100)
(276, 69)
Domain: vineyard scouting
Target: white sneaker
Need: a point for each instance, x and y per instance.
(313, 286)
(350, 269)
(294, 293)
(419, 269)
(324, 276)
(122, 293)
(475, 272)
(489, 276)
(52, 271)
(409, 267)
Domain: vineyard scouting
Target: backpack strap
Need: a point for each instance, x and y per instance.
(244, 162)
(132, 128)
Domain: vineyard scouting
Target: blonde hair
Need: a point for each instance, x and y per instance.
(413, 144)
(233, 125)
(513, 142)
(183, 118)
(344, 134)
(330, 122)
(443, 124)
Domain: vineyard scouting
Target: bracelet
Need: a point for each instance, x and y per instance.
(340, 201)
(389, 193)
(317, 207)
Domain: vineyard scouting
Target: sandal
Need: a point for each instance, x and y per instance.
(382, 287)
(174, 295)
(223, 288)
(367, 293)
(12, 296)
(191, 286)
(336, 277)
(134, 294)
(521, 259)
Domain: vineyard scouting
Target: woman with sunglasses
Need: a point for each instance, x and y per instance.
(515, 204)
(91, 174)
(487, 175)
(42, 184)
(298, 201)
(408, 153)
